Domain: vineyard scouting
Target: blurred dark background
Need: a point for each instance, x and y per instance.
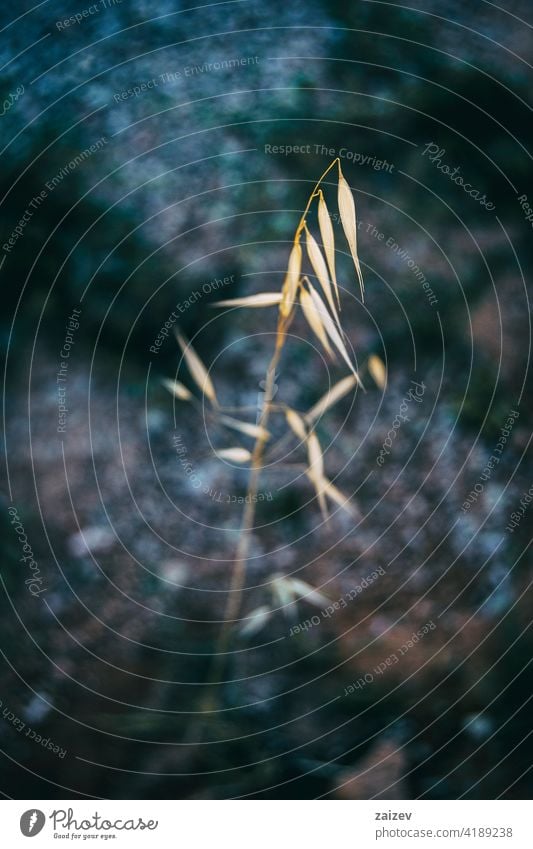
(108, 661)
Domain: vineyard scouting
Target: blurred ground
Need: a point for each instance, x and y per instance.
(108, 662)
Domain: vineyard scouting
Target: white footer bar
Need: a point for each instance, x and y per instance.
(267, 824)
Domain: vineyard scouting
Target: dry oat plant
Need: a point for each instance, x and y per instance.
(321, 306)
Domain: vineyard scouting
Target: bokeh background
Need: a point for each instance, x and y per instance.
(146, 196)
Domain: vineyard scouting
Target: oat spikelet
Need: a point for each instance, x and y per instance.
(314, 320)
(330, 328)
(308, 593)
(177, 389)
(255, 621)
(315, 473)
(263, 299)
(349, 224)
(281, 588)
(377, 369)
(339, 498)
(289, 589)
(292, 280)
(319, 267)
(296, 424)
(332, 396)
(245, 427)
(328, 240)
(234, 455)
(197, 369)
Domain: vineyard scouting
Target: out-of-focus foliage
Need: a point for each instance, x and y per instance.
(183, 192)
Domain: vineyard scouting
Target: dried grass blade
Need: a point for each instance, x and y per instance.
(255, 621)
(245, 427)
(197, 369)
(377, 369)
(330, 328)
(234, 455)
(177, 389)
(314, 320)
(328, 240)
(292, 280)
(339, 498)
(319, 267)
(315, 473)
(309, 593)
(282, 589)
(296, 424)
(262, 299)
(349, 224)
(332, 396)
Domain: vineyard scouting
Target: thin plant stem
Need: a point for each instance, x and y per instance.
(313, 194)
(233, 604)
(238, 576)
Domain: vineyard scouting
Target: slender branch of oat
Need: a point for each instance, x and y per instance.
(313, 195)
(238, 578)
